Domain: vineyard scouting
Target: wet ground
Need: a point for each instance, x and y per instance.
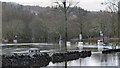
(96, 59)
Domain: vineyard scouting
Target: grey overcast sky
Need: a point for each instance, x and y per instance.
(90, 5)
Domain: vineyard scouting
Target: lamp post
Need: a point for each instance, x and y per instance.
(65, 6)
(65, 20)
(65, 15)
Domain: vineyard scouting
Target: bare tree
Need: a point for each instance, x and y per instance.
(118, 29)
(112, 6)
(64, 5)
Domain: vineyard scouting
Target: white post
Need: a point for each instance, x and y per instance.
(68, 44)
(100, 41)
(100, 45)
(15, 41)
(80, 44)
(80, 37)
(60, 42)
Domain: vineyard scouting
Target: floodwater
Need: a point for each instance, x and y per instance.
(97, 59)
(94, 60)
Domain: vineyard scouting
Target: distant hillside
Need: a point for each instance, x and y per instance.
(46, 24)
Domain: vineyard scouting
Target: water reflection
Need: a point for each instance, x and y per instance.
(94, 60)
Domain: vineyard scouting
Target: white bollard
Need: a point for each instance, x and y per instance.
(15, 41)
(100, 45)
(68, 44)
(80, 45)
(60, 42)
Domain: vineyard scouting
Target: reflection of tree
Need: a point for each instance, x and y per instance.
(104, 58)
(65, 64)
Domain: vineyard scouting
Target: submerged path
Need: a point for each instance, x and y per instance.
(38, 44)
(22, 44)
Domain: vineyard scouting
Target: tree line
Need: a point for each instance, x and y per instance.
(46, 24)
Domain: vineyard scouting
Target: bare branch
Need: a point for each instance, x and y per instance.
(73, 6)
(110, 9)
(112, 5)
(60, 6)
(69, 4)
